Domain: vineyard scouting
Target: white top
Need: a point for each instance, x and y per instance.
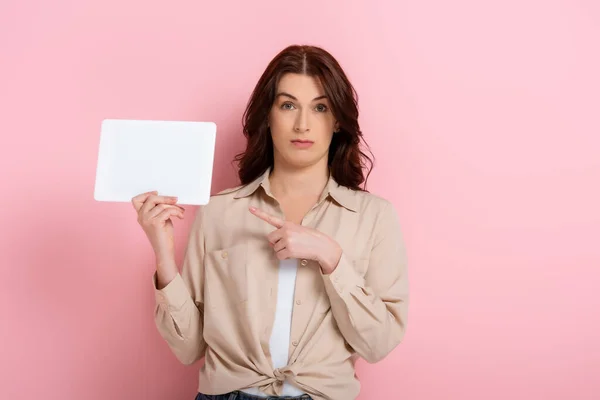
(279, 343)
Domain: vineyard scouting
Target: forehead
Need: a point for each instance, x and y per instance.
(303, 87)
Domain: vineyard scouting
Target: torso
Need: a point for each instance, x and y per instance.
(241, 291)
(294, 210)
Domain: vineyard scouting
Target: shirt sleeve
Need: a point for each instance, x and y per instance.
(371, 312)
(179, 310)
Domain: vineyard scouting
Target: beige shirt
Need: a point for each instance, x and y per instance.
(222, 305)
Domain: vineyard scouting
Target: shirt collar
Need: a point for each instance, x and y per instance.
(342, 195)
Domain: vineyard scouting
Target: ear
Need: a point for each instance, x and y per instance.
(336, 127)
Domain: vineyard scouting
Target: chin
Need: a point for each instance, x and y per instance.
(302, 162)
(300, 158)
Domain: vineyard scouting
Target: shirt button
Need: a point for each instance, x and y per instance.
(224, 255)
(295, 343)
(303, 263)
(298, 302)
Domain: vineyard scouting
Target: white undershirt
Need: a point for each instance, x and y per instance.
(279, 342)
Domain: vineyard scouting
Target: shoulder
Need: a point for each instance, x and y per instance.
(229, 191)
(383, 215)
(380, 211)
(221, 199)
(222, 208)
(372, 203)
(224, 202)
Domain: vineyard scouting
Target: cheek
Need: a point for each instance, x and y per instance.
(325, 131)
(326, 142)
(326, 123)
(280, 124)
(278, 135)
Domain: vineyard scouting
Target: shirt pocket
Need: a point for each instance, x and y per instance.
(226, 276)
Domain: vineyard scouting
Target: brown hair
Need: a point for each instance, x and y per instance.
(346, 160)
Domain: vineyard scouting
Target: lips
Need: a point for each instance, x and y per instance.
(302, 143)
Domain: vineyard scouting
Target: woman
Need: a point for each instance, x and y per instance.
(292, 275)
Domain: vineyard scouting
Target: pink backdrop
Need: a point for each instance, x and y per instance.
(483, 117)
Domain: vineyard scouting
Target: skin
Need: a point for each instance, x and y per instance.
(154, 216)
(300, 111)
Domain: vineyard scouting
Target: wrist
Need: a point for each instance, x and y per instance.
(164, 259)
(166, 270)
(330, 262)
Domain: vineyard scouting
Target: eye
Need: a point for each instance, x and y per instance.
(287, 106)
(321, 108)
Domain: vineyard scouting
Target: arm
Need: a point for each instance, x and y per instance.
(371, 312)
(179, 310)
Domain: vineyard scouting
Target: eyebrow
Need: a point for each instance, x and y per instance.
(294, 98)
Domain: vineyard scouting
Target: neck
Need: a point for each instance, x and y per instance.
(287, 181)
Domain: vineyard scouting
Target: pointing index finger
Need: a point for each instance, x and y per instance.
(276, 222)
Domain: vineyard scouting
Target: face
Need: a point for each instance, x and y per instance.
(301, 121)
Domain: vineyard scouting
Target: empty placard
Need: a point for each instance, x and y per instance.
(173, 157)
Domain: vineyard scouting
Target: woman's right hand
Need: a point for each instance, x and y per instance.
(154, 215)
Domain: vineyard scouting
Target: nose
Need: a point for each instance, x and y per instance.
(301, 123)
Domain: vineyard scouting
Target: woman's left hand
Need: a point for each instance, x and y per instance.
(291, 240)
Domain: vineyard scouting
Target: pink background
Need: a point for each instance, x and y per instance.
(483, 116)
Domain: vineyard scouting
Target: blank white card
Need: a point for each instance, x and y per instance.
(173, 157)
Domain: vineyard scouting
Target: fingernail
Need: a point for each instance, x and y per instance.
(252, 209)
